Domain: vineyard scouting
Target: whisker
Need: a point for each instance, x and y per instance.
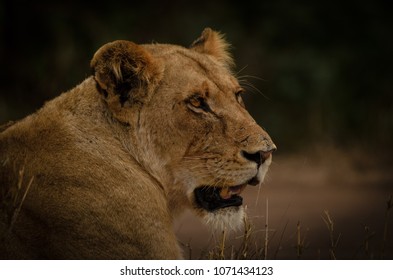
(238, 72)
(252, 77)
(258, 193)
(247, 84)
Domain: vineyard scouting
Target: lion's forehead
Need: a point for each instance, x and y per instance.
(193, 70)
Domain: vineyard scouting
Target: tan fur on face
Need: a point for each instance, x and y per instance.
(101, 171)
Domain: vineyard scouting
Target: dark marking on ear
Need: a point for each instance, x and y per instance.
(123, 99)
(123, 90)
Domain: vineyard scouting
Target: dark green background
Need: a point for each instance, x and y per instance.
(324, 68)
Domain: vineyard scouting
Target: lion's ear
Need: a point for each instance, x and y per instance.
(213, 43)
(125, 70)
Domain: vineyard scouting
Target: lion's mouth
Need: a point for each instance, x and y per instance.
(213, 198)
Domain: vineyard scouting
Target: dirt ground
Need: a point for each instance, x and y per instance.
(292, 202)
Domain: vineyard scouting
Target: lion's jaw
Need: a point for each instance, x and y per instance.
(224, 206)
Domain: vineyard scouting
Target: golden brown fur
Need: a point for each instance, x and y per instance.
(101, 171)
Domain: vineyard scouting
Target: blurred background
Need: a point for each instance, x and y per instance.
(320, 80)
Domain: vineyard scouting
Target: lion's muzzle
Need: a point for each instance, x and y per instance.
(212, 198)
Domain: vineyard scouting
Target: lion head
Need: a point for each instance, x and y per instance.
(187, 123)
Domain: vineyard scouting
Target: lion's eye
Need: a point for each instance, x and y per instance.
(198, 102)
(239, 98)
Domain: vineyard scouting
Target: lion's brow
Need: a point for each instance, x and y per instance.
(209, 74)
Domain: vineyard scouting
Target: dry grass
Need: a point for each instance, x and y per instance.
(333, 240)
(389, 206)
(301, 240)
(12, 200)
(254, 246)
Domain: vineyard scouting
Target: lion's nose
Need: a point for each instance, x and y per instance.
(261, 156)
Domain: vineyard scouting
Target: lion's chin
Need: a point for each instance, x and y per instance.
(230, 218)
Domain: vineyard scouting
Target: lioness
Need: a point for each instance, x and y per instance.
(101, 171)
